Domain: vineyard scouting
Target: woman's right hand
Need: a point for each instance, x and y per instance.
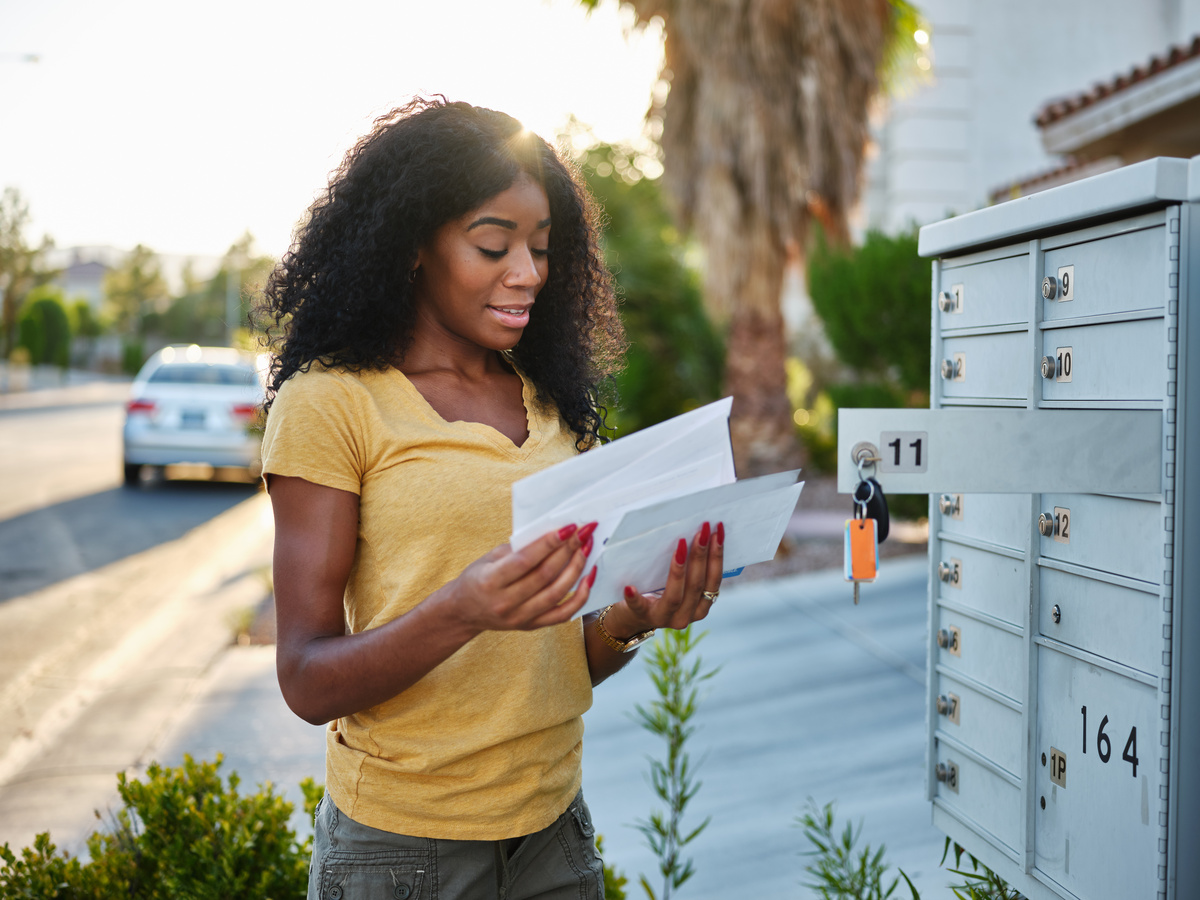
(325, 673)
(507, 590)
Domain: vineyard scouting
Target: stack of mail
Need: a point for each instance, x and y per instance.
(648, 490)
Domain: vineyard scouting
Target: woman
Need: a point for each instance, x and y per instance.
(446, 319)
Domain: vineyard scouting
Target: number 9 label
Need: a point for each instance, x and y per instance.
(1066, 283)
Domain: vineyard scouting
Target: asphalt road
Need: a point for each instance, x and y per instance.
(63, 510)
(114, 603)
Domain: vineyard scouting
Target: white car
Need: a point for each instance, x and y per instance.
(195, 405)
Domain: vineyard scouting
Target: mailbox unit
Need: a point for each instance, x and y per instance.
(1064, 601)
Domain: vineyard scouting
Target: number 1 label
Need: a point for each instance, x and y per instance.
(904, 451)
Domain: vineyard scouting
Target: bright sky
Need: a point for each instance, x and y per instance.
(180, 126)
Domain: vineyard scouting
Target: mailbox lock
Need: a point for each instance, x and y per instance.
(944, 706)
(946, 301)
(1049, 367)
(1049, 287)
(945, 571)
(1056, 614)
(943, 773)
(951, 368)
(943, 638)
(948, 504)
(1046, 525)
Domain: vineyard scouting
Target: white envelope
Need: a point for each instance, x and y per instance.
(682, 455)
(755, 513)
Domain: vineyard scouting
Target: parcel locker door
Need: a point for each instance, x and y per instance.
(1096, 787)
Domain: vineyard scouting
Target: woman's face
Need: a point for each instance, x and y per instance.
(478, 276)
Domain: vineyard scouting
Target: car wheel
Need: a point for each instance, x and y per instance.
(133, 474)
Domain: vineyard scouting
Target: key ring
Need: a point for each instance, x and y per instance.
(861, 505)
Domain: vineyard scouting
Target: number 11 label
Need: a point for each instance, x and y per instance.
(904, 451)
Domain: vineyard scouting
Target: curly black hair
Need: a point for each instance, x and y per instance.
(342, 297)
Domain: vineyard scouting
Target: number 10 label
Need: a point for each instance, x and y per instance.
(904, 451)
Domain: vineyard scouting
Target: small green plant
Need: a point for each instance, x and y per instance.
(841, 872)
(676, 674)
(981, 882)
(614, 881)
(182, 832)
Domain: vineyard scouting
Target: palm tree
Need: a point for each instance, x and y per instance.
(764, 128)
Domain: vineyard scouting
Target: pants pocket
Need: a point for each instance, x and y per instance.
(585, 831)
(401, 875)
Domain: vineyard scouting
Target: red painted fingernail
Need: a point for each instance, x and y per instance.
(566, 531)
(705, 533)
(720, 534)
(591, 579)
(681, 552)
(586, 531)
(587, 547)
(630, 593)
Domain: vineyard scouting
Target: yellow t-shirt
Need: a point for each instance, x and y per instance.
(488, 745)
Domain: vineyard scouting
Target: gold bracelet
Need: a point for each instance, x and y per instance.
(618, 645)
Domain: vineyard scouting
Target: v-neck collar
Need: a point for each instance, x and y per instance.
(533, 420)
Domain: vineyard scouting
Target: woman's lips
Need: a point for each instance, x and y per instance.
(512, 316)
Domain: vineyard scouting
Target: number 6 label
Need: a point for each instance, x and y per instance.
(904, 451)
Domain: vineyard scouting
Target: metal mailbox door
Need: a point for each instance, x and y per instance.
(1096, 824)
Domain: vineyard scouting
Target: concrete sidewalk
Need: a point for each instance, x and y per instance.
(70, 388)
(816, 698)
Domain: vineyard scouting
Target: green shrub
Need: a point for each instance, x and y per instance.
(133, 354)
(614, 880)
(182, 833)
(875, 304)
(44, 329)
(677, 671)
(839, 871)
(83, 321)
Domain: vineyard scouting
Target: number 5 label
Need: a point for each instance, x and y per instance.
(904, 451)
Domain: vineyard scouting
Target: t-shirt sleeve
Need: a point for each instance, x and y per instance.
(314, 432)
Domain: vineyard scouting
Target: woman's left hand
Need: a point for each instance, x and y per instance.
(692, 587)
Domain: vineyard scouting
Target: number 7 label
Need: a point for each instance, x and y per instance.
(904, 451)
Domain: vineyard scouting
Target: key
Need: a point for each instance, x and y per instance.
(861, 552)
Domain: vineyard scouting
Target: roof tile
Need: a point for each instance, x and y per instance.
(1062, 107)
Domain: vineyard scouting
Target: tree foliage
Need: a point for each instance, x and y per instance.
(874, 302)
(134, 288)
(203, 313)
(675, 357)
(44, 328)
(21, 268)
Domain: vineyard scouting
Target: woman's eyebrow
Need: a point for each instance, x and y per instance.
(504, 223)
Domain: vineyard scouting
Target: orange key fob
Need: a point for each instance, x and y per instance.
(861, 550)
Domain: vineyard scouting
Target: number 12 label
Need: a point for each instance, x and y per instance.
(904, 451)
